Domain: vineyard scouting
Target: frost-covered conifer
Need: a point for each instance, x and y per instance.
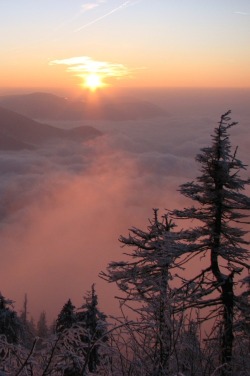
(27, 326)
(10, 325)
(42, 327)
(145, 279)
(66, 318)
(94, 323)
(220, 212)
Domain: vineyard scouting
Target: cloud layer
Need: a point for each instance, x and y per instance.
(64, 207)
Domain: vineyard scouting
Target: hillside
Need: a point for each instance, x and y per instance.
(44, 106)
(20, 132)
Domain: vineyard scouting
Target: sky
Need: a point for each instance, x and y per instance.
(133, 43)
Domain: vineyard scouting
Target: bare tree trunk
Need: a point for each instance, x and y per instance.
(227, 336)
(226, 282)
(163, 325)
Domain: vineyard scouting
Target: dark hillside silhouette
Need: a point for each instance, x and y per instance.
(46, 106)
(20, 132)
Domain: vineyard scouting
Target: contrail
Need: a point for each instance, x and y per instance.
(104, 16)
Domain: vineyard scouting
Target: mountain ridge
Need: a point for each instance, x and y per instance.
(47, 106)
(21, 132)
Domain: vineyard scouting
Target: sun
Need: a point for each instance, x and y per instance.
(94, 74)
(93, 81)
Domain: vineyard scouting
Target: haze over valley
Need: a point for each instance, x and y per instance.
(69, 188)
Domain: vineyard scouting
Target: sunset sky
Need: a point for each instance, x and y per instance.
(133, 43)
(64, 204)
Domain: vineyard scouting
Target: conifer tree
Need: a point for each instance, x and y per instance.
(42, 327)
(95, 325)
(66, 318)
(28, 328)
(220, 211)
(10, 325)
(24, 313)
(145, 278)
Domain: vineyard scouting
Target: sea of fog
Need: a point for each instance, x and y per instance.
(64, 206)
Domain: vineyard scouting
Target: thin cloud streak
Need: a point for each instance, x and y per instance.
(242, 13)
(84, 65)
(124, 5)
(84, 9)
(89, 6)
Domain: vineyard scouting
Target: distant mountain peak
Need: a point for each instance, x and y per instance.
(47, 106)
(20, 132)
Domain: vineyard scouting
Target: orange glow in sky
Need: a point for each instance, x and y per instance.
(93, 74)
(93, 82)
(133, 43)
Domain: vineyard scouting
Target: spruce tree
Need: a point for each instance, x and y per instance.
(66, 318)
(10, 325)
(220, 212)
(42, 327)
(28, 328)
(145, 278)
(95, 325)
